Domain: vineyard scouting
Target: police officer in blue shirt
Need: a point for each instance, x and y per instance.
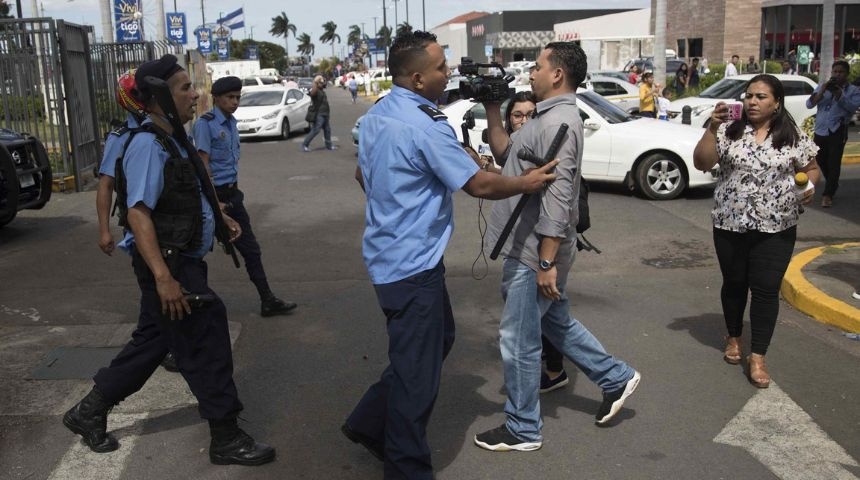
(217, 139)
(837, 100)
(169, 228)
(410, 163)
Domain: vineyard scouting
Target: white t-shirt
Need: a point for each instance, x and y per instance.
(662, 106)
(731, 70)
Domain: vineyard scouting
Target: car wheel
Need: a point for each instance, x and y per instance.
(660, 177)
(285, 129)
(9, 187)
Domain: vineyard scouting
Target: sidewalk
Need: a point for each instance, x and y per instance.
(852, 153)
(820, 282)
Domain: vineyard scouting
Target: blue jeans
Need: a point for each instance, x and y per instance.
(321, 123)
(526, 314)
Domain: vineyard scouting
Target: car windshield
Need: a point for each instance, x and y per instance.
(604, 108)
(261, 99)
(725, 88)
(305, 81)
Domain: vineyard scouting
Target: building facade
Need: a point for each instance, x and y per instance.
(453, 38)
(789, 24)
(610, 40)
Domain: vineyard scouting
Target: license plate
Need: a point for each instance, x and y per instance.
(27, 181)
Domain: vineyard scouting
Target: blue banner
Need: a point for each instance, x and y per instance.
(177, 28)
(223, 47)
(128, 19)
(252, 52)
(204, 40)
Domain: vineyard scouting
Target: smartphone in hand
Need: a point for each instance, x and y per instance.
(736, 110)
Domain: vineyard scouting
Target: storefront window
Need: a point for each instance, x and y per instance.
(847, 30)
(695, 47)
(682, 47)
(775, 20)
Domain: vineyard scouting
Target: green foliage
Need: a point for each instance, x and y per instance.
(4, 9)
(853, 72)
(772, 66)
(269, 54)
(384, 84)
(21, 108)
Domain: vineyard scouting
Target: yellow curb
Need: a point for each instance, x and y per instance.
(801, 294)
(850, 159)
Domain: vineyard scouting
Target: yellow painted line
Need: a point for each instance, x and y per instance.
(850, 159)
(801, 294)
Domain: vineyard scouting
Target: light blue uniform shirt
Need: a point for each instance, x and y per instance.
(411, 164)
(832, 114)
(113, 148)
(219, 138)
(143, 165)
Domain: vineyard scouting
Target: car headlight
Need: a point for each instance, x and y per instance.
(701, 108)
(272, 115)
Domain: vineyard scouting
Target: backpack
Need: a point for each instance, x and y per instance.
(584, 222)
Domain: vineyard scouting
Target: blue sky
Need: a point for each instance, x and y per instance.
(308, 16)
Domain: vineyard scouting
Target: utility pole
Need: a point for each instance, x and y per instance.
(107, 26)
(660, 43)
(159, 20)
(407, 11)
(396, 21)
(385, 25)
(202, 14)
(423, 16)
(828, 27)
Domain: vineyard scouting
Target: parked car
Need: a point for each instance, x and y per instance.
(619, 75)
(271, 112)
(797, 90)
(654, 156)
(25, 174)
(258, 81)
(620, 92)
(647, 63)
(305, 84)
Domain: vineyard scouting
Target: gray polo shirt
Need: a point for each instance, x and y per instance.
(554, 211)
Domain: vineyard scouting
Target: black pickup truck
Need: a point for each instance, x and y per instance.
(25, 174)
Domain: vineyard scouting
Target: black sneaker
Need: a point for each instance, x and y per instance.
(613, 401)
(547, 385)
(275, 306)
(501, 440)
(169, 363)
(376, 448)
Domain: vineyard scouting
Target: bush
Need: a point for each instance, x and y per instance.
(21, 108)
(772, 66)
(384, 84)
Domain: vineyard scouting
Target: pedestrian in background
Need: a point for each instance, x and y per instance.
(633, 77)
(216, 137)
(679, 84)
(752, 66)
(693, 77)
(648, 96)
(756, 210)
(732, 67)
(353, 87)
(318, 115)
(836, 100)
(409, 164)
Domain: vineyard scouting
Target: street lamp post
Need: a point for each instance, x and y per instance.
(396, 21)
(423, 16)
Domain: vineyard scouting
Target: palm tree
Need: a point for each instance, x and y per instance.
(383, 40)
(354, 36)
(329, 35)
(281, 27)
(305, 46)
(403, 28)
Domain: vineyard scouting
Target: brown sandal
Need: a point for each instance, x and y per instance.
(758, 375)
(732, 353)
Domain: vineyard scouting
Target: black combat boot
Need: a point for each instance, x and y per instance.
(231, 445)
(89, 419)
(272, 305)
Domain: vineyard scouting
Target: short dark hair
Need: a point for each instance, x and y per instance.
(695, 59)
(841, 63)
(406, 49)
(783, 129)
(736, 56)
(569, 57)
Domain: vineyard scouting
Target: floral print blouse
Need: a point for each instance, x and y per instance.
(755, 189)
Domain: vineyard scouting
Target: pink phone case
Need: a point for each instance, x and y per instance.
(735, 110)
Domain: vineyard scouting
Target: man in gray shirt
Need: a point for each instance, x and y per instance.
(538, 257)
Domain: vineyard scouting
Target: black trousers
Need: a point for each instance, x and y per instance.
(246, 244)
(829, 158)
(554, 358)
(753, 263)
(397, 408)
(200, 343)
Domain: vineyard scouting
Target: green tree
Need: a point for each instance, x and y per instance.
(354, 36)
(305, 46)
(281, 27)
(4, 9)
(403, 28)
(269, 54)
(383, 40)
(329, 35)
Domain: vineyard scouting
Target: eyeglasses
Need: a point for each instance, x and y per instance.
(521, 115)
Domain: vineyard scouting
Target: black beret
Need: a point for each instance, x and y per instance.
(226, 84)
(162, 68)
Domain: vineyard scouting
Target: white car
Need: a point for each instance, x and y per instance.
(797, 89)
(620, 92)
(654, 156)
(271, 111)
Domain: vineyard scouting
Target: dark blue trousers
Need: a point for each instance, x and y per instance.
(247, 243)
(200, 343)
(397, 408)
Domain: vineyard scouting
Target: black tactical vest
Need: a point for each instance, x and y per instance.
(178, 215)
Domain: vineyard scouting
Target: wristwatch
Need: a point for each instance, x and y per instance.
(546, 265)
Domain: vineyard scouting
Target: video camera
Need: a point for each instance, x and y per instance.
(481, 87)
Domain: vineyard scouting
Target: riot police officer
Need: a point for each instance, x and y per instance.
(217, 139)
(169, 228)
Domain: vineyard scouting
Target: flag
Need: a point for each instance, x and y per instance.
(233, 20)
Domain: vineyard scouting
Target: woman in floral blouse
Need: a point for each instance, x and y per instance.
(755, 210)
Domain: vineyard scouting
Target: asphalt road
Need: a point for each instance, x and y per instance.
(652, 298)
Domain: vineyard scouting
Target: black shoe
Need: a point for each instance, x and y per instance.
(89, 419)
(240, 450)
(273, 305)
(377, 449)
(500, 439)
(613, 401)
(169, 363)
(547, 385)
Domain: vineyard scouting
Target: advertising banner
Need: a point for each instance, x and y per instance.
(128, 19)
(177, 29)
(252, 52)
(204, 40)
(222, 46)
